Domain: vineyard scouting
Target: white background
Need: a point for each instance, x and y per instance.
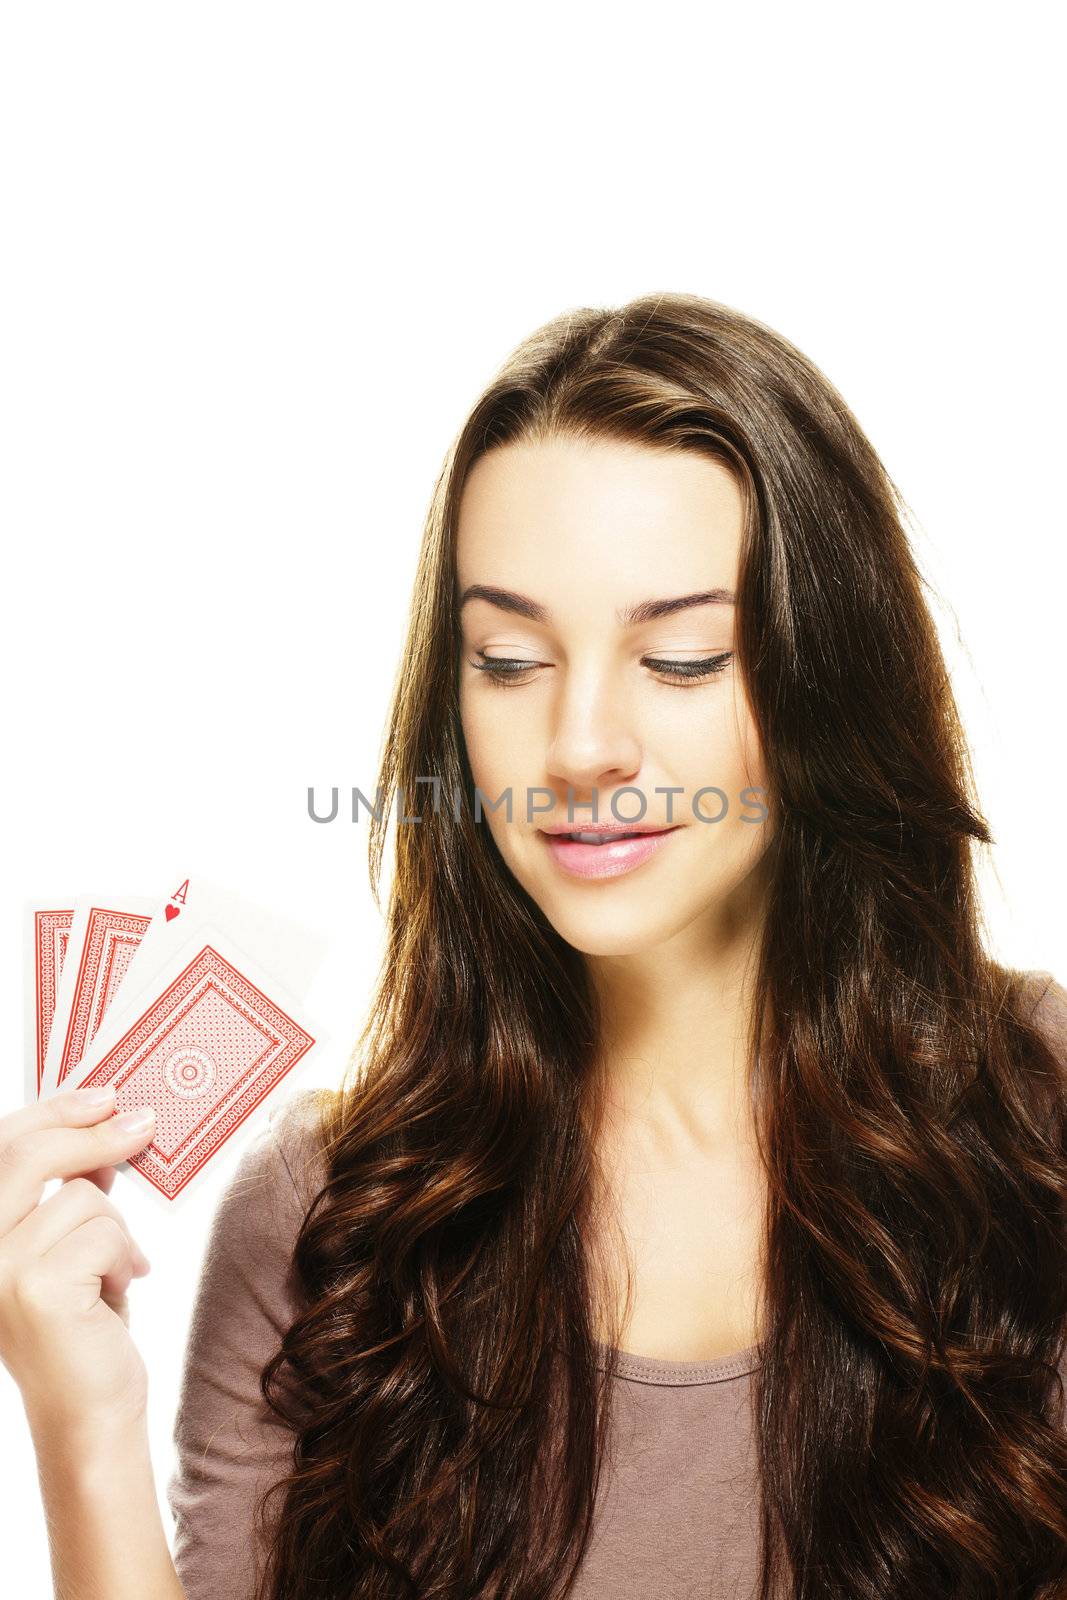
(259, 260)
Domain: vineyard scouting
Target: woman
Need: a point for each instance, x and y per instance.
(692, 1221)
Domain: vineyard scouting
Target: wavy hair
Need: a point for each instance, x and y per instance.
(442, 1382)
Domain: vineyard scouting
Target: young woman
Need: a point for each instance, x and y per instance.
(692, 1221)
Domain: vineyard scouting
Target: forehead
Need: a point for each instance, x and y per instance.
(566, 506)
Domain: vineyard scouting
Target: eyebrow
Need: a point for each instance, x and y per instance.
(628, 617)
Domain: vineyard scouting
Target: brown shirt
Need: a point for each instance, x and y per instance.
(677, 1509)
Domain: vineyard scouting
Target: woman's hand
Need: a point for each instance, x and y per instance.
(66, 1263)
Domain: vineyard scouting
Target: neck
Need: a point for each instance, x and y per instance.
(673, 1051)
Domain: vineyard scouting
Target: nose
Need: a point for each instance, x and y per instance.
(594, 743)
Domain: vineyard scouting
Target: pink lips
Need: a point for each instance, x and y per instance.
(604, 860)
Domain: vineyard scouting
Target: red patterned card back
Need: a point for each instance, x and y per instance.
(205, 1054)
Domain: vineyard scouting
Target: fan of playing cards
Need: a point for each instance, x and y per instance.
(193, 1005)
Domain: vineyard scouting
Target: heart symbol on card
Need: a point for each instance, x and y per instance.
(172, 912)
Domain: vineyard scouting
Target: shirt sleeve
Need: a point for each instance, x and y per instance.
(229, 1445)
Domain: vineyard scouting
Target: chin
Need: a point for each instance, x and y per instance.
(600, 931)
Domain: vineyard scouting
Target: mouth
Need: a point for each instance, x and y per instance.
(605, 852)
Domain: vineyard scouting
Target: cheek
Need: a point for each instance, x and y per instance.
(491, 720)
(723, 752)
(498, 751)
(740, 750)
(477, 728)
(724, 757)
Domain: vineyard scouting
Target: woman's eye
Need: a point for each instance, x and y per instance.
(507, 671)
(690, 671)
(503, 670)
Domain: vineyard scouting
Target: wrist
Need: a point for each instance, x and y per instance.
(86, 1443)
(105, 1529)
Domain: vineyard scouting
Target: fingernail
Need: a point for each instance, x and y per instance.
(96, 1097)
(138, 1121)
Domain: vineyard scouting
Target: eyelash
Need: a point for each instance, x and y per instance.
(506, 671)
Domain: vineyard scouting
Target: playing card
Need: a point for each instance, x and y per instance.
(45, 939)
(104, 935)
(280, 947)
(207, 1042)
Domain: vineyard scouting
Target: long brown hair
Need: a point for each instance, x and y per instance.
(443, 1384)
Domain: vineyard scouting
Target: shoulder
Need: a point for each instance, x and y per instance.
(293, 1140)
(277, 1177)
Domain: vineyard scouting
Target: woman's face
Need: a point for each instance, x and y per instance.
(582, 543)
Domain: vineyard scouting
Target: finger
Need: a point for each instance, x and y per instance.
(54, 1150)
(103, 1177)
(69, 1107)
(77, 1202)
(96, 1256)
